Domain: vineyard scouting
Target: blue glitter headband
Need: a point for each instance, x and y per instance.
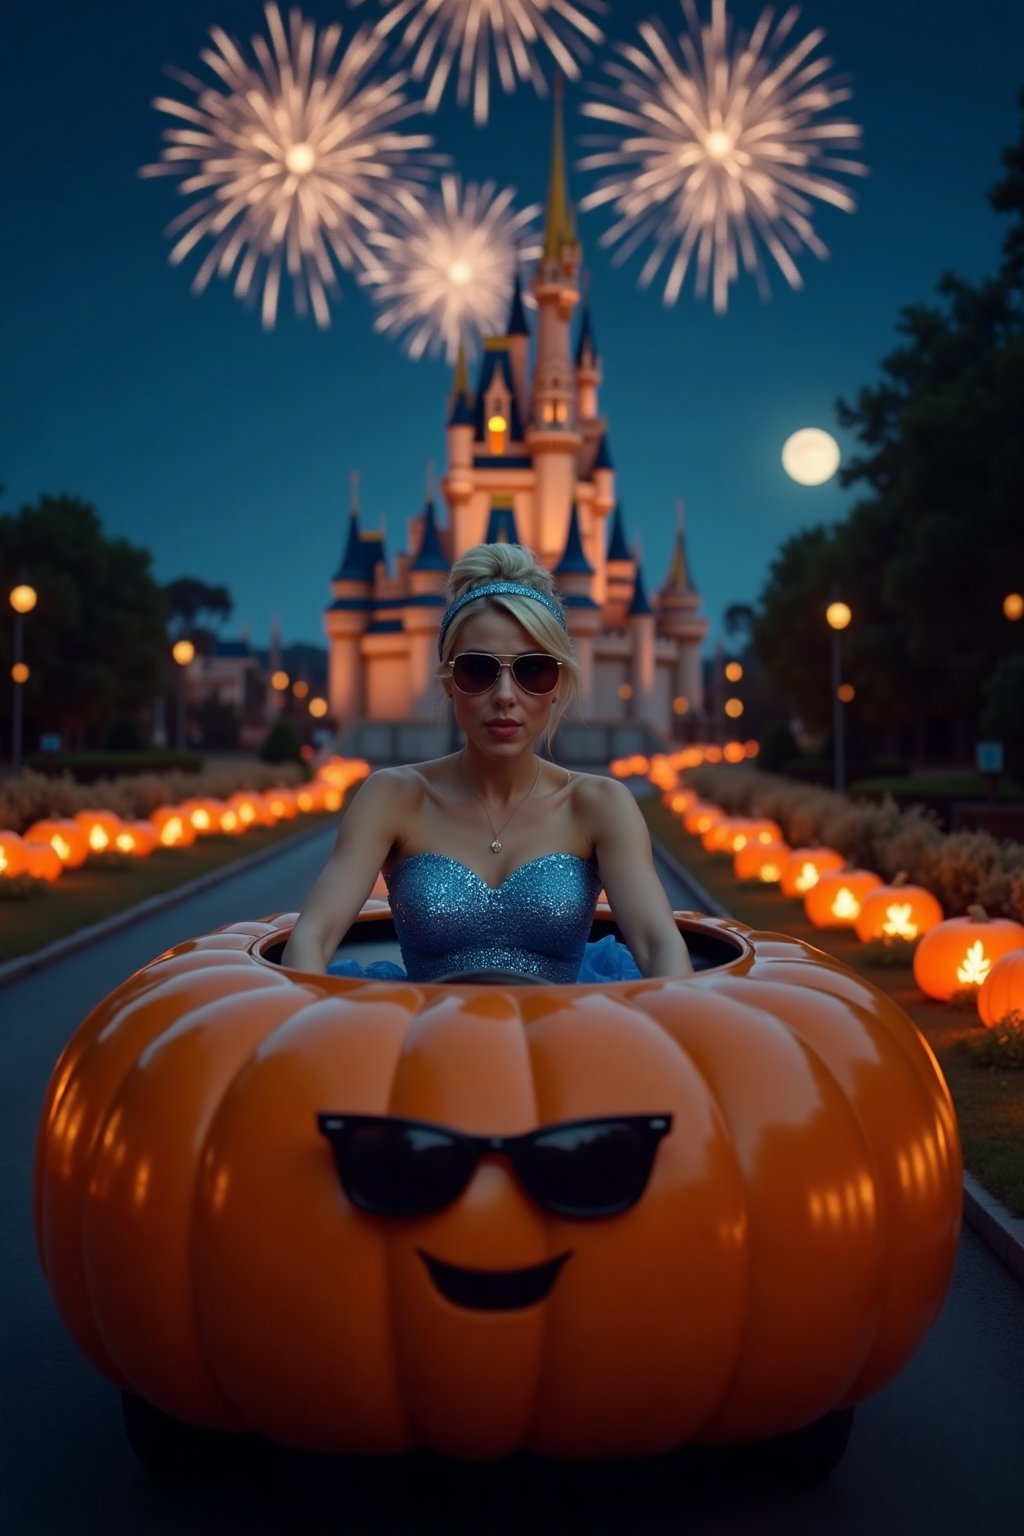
(496, 589)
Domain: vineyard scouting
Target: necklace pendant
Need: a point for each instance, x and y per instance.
(496, 846)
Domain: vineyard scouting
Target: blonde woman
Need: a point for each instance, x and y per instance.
(494, 856)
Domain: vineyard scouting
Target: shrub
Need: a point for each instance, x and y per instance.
(282, 744)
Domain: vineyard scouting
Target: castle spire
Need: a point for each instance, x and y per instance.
(559, 225)
(461, 412)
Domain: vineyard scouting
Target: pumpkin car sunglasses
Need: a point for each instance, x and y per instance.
(390, 1166)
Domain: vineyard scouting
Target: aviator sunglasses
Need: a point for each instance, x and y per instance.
(389, 1166)
(476, 671)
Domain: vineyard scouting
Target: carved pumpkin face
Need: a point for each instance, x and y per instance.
(835, 900)
(897, 912)
(959, 953)
(804, 868)
(66, 837)
(203, 1251)
(13, 857)
(1002, 991)
(760, 861)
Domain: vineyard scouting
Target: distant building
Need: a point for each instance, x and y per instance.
(528, 461)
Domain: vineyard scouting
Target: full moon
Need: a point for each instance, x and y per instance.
(810, 456)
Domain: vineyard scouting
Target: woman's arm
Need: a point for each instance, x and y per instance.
(368, 829)
(637, 897)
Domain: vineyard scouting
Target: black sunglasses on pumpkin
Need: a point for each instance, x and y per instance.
(389, 1166)
(476, 671)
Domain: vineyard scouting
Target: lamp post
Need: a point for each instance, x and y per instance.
(22, 599)
(183, 652)
(838, 616)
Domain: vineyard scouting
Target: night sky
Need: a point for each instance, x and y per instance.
(227, 450)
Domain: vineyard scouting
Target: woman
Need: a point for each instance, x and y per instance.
(493, 856)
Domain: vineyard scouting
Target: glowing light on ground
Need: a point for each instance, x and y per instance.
(446, 37)
(292, 158)
(810, 456)
(445, 275)
(720, 149)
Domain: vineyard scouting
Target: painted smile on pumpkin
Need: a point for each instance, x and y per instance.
(493, 1290)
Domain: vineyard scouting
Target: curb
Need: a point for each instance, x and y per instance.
(983, 1213)
(24, 965)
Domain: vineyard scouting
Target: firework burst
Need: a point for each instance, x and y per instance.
(445, 275)
(440, 34)
(720, 153)
(294, 160)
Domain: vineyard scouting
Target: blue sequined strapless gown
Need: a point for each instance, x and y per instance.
(537, 920)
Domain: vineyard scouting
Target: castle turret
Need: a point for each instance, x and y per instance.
(552, 438)
(677, 606)
(588, 370)
(618, 570)
(640, 623)
(574, 577)
(346, 619)
(424, 604)
(458, 482)
(518, 333)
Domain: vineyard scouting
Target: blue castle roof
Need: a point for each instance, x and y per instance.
(501, 526)
(618, 549)
(517, 325)
(496, 360)
(430, 556)
(574, 562)
(640, 604)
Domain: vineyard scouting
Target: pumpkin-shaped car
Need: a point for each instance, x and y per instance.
(365, 1216)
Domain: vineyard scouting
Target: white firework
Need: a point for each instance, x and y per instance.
(720, 151)
(446, 275)
(293, 158)
(437, 33)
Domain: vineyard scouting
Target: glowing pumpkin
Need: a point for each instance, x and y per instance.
(722, 833)
(204, 812)
(701, 817)
(804, 868)
(68, 839)
(174, 827)
(1002, 991)
(137, 838)
(836, 898)
(42, 862)
(760, 861)
(959, 952)
(100, 828)
(204, 1254)
(899, 911)
(250, 809)
(12, 855)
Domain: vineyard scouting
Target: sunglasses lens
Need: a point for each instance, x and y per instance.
(588, 1170)
(391, 1169)
(475, 671)
(536, 673)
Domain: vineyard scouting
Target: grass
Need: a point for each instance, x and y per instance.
(985, 1074)
(34, 914)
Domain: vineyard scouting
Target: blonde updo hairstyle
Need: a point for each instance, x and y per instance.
(485, 563)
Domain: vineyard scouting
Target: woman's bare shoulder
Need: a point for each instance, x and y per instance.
(596, 791)
(411, 781)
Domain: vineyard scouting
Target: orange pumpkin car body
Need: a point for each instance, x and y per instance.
(793, 1246)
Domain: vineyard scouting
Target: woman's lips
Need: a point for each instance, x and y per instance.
(502, 727)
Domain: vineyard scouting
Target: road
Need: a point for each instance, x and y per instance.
(937, 1451)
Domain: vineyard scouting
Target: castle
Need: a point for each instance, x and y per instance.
(528, 461)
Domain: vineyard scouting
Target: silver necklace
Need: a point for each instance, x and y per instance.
(497, 831)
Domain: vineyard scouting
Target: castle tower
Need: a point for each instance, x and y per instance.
(422, 610)
(347, 618)
(518, 333)
(677, 607)
(641, 624)
(552, 438)
(574, 578)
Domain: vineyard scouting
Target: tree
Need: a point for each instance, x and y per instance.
(96, 638)
(923, 559)
(196, 609)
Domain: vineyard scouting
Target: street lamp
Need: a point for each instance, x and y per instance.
(184, 653)
(838, 616)
(22, 599)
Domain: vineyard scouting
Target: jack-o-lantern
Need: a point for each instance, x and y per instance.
(12, 855)
(624, 1188)
(897, 912)
(42, 862)
(836, 898)
(204, 812)
(959, 953)
(282, 804)
(68, 839)
(100, 828)
(760, 861)
(137, 838)
(174, 827)
(700, 818)
(725, 835)
(1002, 991)
(804, 868)
(250, 809)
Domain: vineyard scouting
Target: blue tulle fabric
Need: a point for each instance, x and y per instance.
(448, 920)
(604, 960)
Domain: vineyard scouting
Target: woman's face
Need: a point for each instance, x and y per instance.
(505, 719)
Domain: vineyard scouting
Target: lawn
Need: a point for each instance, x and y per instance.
(33, 914)
(989, 1100)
